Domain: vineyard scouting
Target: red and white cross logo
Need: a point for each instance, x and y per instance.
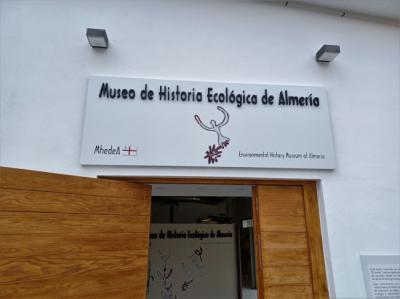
(130, 151)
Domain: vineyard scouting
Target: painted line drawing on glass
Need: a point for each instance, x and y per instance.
(150, 278)
(199, 253)
(188, 277)
(169, 281)
(164, 275)
(215, 151)
(150, 275)
(197, 260)
(196, 267)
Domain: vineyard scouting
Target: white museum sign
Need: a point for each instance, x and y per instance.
(148, 122)
(381, 276)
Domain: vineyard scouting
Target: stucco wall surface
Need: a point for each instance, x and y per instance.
(45, 61)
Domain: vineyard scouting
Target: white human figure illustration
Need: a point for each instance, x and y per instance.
(222, 140)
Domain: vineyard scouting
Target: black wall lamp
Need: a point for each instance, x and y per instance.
(327, 53)
(97, 38)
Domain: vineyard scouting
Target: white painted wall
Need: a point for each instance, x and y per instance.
(45, 61)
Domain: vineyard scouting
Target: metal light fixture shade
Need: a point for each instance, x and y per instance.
(97, 38)
(327, 53)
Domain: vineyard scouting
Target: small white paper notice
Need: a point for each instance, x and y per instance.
(382, 276)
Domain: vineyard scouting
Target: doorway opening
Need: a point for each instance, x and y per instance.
(201, 242)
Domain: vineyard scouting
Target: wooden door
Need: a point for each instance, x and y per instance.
(72, 237)
(289, 247)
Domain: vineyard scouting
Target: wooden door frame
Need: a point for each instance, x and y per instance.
(317, 261)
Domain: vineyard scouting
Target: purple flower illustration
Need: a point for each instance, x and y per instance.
(214, 152)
